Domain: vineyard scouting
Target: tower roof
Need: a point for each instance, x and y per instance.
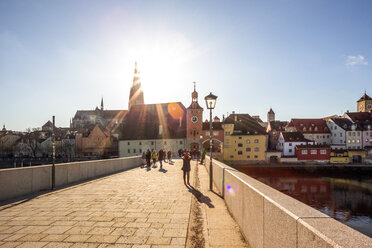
(364, 97)
(271, 111)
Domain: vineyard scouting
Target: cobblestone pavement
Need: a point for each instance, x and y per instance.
(135, 208)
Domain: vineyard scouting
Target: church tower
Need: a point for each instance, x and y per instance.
(364, 104)
(136, 93)
(194, 120)
(270, 115)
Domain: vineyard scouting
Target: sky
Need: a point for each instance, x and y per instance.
(304, 59)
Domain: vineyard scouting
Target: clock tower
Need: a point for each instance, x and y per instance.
(194, 119)
(364, 104)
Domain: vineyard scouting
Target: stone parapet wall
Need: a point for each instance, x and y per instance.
(269, 218)
(23, 181)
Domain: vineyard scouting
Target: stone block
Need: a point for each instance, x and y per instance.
(15, 182)
(41, 178)
(234, 191)
(253, 217)
(280, 227)
(61, 174)
(327, 232)
(73, 172)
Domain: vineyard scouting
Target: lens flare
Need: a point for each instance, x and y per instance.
(175, 111)
(230, 190)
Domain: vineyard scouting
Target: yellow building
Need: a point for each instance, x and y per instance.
(347, 156)
(364, 104)
(245, 140)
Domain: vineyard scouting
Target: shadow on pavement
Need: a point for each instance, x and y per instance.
(163, 170)
(199, 195)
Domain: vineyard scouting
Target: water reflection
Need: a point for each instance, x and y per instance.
(346, 197)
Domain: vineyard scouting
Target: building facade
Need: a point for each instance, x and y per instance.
(288, 141)
(217, 135)
(313, 129)
(364, 104)
(194, 122)
(313, 152)
(245, 140)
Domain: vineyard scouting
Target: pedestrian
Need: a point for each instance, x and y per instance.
(179, 153)
(143, 158)
(186, 167)
(154, 157)
(203, 156)
(161, 157)
(169, 154)
(148, 158)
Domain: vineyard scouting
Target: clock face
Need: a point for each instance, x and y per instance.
(369, 106)
(194, 119)
(361, 107)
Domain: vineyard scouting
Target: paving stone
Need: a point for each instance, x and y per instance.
(57, 229)
(32, 245)
(101, 230)
(103, 238)
(178, 241)
(77, 238)
(124, 231)
(177, 233)
(10, 244)
(131, 240)
(79, 230)
(14, 237)
(54, 237)
(158, 241)
(33, 237)
(58, 245)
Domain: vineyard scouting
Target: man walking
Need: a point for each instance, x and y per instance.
(161, 158)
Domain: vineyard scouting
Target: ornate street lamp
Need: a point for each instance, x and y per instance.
(210, 100)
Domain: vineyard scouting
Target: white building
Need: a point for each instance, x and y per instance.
(313, 129)
(288, 141)
(338, 128)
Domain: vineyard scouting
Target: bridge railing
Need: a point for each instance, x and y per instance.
(17, 182)
(269, 218)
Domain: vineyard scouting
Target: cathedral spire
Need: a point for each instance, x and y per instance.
(102, 103)
(136, 93)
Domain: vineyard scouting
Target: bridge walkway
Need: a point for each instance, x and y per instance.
(135, 208)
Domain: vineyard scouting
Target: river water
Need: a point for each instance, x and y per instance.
(342, 193)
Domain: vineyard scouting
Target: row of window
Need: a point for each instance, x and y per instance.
(335, 134)
(215, 133)
(240, 153)
(314, 152)
(152, 143)
(353, 141)
(353, 133)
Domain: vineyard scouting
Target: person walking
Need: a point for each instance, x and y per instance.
(186, 167)
(154, 157)
(169, 154)
(161, 158)
(143, 158)
(148, 158)
(203, 156)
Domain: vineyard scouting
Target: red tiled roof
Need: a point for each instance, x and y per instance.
(309, 125)
(359, 116)
(215, 125)
(294, 137)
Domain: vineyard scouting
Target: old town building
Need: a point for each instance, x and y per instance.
(313, 129)
(244, 139)
(217, 135)
(364, 104)
(288, 141)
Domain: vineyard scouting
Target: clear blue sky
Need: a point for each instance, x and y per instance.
(302, 58)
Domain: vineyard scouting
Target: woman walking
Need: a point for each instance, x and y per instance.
(154, 157)
(186, 167)
(161, 157)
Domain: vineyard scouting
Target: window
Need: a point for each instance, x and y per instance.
(256, 141)
(140, 143)
(180, 142)
(207, 133)
(358, 133)
(335, 127)
(215, 133)
(134, 150)
(289, 150)
(152, 143)
(256, 149)
(227, 141)
(231, 156)
(248, 156)
(227, 133)
(165, 142)
(140, 150)
(240, 152)
(128, 150)
(313, 152)
(240, 137)
(304, 152)
(290, 144)
(248, 149)
(248, 141)
(240, 145)
(348, 141)
(340, 134)
(357, 141)
(323, 152)
(128, 143)
(255, 156)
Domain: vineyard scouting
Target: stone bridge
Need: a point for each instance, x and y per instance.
(139, 207)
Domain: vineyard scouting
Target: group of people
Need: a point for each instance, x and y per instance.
(161, 155)
(157, 156)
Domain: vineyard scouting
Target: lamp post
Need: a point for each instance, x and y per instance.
(53, 157)
(210, 100)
